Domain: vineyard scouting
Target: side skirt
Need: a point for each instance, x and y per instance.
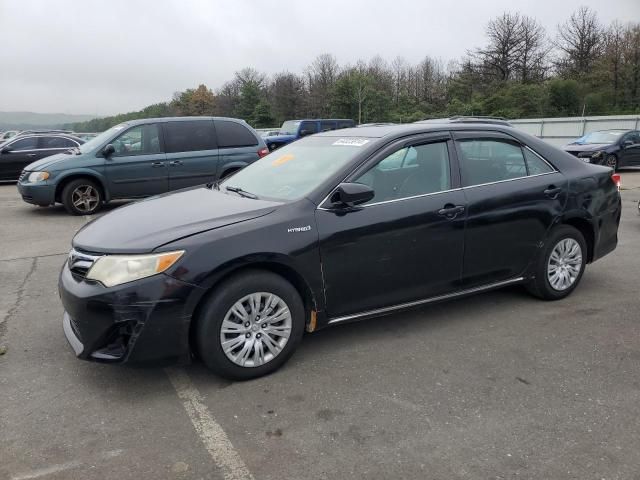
(387, 310)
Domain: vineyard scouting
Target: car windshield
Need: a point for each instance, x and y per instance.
(295, 170)
(289, 128)
(98, 140)
(602, 137)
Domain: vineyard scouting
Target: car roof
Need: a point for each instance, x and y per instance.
(380, 131)
(143, 121)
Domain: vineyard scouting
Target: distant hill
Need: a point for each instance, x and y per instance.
(26, 120)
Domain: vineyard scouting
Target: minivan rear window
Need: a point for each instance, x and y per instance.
(233, 134)
(189, 136)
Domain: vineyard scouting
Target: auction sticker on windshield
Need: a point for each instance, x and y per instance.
(351, 142)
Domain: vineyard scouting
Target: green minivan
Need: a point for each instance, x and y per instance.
(140, 158)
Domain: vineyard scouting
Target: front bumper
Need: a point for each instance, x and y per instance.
(145, 321)
(40, 193)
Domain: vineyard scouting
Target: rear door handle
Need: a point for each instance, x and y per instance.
(451, 211)
(31, 154)
(552, 191)
(176, 162)
(157, 164)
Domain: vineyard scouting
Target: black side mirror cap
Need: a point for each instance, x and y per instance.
(351, 194)
(108, 150)
(627, 143)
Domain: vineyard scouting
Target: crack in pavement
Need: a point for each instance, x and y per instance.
(34, 257)
(19, 296)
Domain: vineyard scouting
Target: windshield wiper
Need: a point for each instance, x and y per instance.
(241, 192)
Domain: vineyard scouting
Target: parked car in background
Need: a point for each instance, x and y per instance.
(140, 158)
(7, 135)
(23, 149)
(613, 148)
(268, 133)
(337, 227)
(294, 129)
(86, 136)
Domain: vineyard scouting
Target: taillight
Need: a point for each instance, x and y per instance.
(263, 151)
(616, 179)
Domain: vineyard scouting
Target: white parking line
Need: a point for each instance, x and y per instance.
(47, 471)
(211, 434)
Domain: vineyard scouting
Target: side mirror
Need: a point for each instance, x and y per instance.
(108, 150)
(351, 194)
(627, 143)
(6, 149)
(305, 132)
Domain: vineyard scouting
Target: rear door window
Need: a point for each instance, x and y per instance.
(28, 143)
(535, 164)
(189, 136)
(345, 124)
(327, 126)
(56, 142)
(490, 160)
(309, 128)
(234, 134)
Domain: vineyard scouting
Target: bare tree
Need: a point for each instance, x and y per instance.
(321, 76)
(581, 41)
(500, 57)
(532, 62)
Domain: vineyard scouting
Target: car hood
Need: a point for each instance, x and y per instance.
(586, 147)
(146, 225)
(50, 161)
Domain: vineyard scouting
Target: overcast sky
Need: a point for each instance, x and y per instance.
(111, 56)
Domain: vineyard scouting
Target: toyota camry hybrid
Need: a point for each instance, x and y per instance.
(336, 227)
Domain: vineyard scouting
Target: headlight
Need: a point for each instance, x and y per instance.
(597, 154)
(38, 176)
(113, 270)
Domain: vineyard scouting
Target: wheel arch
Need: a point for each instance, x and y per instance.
(62, 182)
(586, 228)
(282, 268)
(230, 168)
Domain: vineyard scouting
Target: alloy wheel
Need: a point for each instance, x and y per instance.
(255, 329)
(611, 161)
(565, 264)
(85, 198)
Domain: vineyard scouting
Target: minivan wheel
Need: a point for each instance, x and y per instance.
(82, 197)
(612, 162)
(250, 325)
(561, 264)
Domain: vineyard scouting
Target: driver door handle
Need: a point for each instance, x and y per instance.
(451, 211)
(175, 162)
(31, 154)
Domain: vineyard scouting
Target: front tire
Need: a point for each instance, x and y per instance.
(250, 325)
(560, 265)
(611, 161)
(82, 197)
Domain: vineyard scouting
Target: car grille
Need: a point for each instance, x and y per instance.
(23, 175)
(80, 263)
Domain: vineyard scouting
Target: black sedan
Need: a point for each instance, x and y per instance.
(336, 227)
(613, 148)
(23, 149)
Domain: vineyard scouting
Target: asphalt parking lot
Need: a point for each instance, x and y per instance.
(499, 385)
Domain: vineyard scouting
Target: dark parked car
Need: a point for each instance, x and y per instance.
(21, 150)
(141, 158)
(294, 129)
(613, 148)
(337, 227)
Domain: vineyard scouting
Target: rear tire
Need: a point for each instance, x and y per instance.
(254, 342)
(560, 265)
(82, 197)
